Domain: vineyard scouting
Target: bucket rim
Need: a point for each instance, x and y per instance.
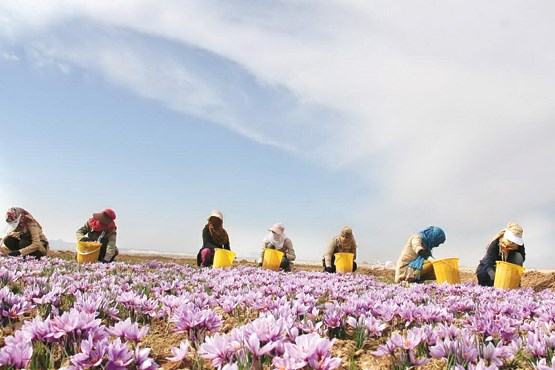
(274, 251)
(224, 251)
(344, 254)
(89, 243)
(521, 269)
(445, 260)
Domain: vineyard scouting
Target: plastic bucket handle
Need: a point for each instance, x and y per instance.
(87, 253)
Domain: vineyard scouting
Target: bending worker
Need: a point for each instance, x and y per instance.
(414, 262)
(506, 246)
(101, 228)
(213, 236)
(276, 239)
(342, 243)
(24, 237)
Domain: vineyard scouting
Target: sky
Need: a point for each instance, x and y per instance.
(385, 116)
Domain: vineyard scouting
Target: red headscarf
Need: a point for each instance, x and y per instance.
(96, 225)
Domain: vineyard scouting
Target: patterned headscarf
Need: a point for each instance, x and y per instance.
(432, 237)
(24, 217)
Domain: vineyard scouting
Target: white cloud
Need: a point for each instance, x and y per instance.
(445, 107)
(10, 57)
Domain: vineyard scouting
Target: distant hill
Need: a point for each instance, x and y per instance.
(59, 244)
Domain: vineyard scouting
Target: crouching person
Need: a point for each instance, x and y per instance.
(213, 236)
(342, 243)
(101, 228)
(24, 237)
(414, 263)
(506, 246)
(276, 239)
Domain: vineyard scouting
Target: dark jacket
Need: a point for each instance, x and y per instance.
(488, 263)
(208, 241)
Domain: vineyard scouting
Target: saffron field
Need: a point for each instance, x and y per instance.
(58, 314)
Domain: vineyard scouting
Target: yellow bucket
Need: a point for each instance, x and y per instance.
(223, 257)
(272, 259)
(447, 270)
(344, 262)
(88, 252)
(507, 275)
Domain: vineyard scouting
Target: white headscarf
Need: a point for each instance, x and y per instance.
(276, 236)
(275, 239)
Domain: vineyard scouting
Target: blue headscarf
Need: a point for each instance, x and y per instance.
(432, 237)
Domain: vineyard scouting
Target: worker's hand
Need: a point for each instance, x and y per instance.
(431, 259)
(491, 274)
(15, 253)
(328, 269)
(85, 239)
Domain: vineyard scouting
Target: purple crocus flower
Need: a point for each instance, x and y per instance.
(17, 355)
(542, 365)
(253, 345)
(89, 303)
(179, 353)
(305, 345)
(314, 350)
(269, 329)
(481, 365)
(195, 322)
(385, 349)
(326, 363)
(442, 348)
(92, 353)
(128, 330)
(288, 363)
(308, 326)
(149, 307)
(119, 356)
(143, 360)
(17, 309)
(218, 349)
(535, 344)
(332, 316)
(72, 322)
(492, 354)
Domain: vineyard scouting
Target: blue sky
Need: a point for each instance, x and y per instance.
(385, 117)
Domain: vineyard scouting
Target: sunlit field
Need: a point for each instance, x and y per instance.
(58, 314)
